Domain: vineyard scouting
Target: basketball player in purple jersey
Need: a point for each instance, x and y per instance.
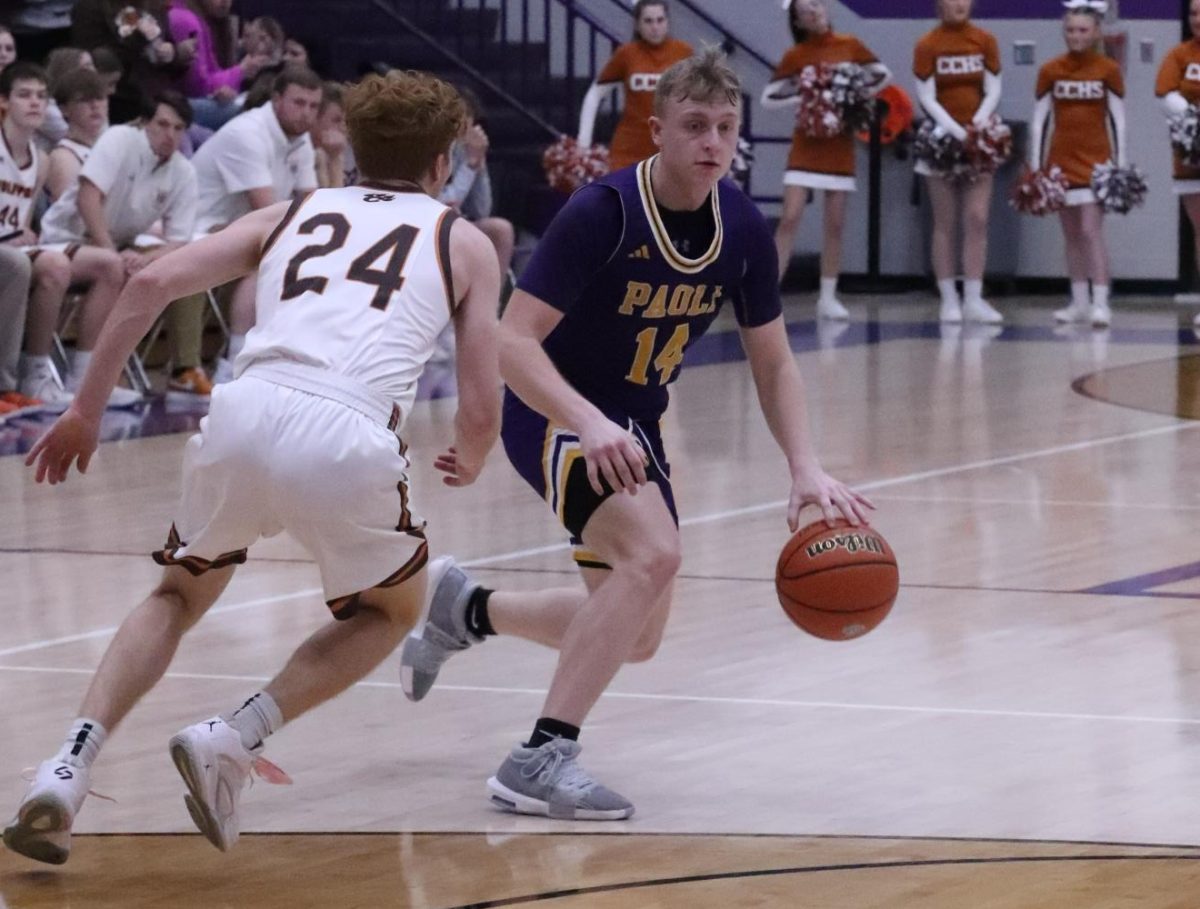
(632, 271)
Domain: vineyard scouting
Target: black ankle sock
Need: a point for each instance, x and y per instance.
(547, 728)
(478, 622)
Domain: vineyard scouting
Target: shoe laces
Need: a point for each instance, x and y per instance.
(268, 772)
(552, 765)
(29, 774)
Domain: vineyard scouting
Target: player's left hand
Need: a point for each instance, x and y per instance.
(73, 436)
(457, 473)
(813, 486)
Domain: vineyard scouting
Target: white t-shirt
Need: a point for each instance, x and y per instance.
(357, 281)
(251, 151)
(138, 189)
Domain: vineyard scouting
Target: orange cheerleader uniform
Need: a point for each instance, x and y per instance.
(1180, 72)
(637, 66)
(1081, 90)
(956, 57)
(818, 163)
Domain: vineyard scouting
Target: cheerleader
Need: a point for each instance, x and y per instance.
(817, 163)
(636, 67)
(957, 66)
(1079, 122)
(1178, 87)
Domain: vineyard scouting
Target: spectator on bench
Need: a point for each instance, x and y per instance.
(22, 175)
(134, 178)
(83, 100)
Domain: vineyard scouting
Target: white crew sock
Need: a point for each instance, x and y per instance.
(31, 364)
(972, 291)
(1079, 294)
(1100, 294)
(948, 290)
(83, 743)
(255, 720)
(829, 288)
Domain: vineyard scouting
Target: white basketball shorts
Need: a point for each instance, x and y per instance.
(271, 457)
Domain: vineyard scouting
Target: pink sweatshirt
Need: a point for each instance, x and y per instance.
(205, 75)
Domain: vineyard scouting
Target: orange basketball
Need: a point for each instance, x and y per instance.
(839, 582)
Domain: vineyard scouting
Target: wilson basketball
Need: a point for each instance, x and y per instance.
(839, 582)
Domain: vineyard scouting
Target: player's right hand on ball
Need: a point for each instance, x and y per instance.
(614, 453)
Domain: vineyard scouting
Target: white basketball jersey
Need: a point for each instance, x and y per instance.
(16, 188)
(357, 281)
(78, 149)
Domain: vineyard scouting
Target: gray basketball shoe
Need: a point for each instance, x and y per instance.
(441, 631)
(548, 781)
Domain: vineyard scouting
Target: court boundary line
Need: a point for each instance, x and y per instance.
(685, 698)
(798, 870)
(515, 555)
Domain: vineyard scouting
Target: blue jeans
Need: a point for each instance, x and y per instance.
(212, 113)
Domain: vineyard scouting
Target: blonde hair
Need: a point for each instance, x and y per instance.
(705, 77)
(400, 123)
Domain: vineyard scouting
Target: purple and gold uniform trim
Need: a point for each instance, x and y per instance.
(663, 240)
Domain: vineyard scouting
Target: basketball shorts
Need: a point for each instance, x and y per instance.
(289, 447)
(67, 249)
(549, 459)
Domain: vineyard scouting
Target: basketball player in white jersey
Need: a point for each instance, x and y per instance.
(83, 100)
(22, 176)
(354, 286)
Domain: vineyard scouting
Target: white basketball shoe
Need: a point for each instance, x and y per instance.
(42, 828)
(216, 767)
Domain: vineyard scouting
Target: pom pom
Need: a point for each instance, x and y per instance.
(1185, 135)
(743, 161)
(983, 151)
(1119, 189)
(835, 99)
(1040, 192)
(569, 167)
(940, 151)
(989, 146)
(149, 27)
(127, 21)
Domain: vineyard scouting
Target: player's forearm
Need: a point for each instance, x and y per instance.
(91, 210)
(527, 370)
(783, 402)
(476, 427)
